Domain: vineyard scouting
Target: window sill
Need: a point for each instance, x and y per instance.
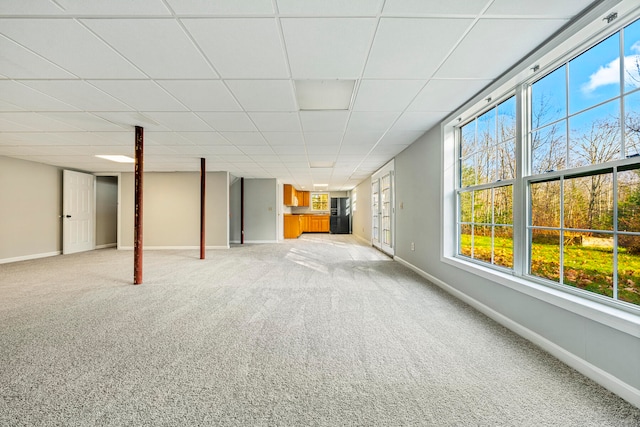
(621, 319)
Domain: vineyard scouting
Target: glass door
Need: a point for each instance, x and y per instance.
(382, 208)
(375, 211)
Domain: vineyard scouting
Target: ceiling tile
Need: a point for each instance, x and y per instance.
(322, 121)
(446, 95)
(165, 138)
(17, 61)
(371, 120)
(141, 95)
(77, 93)
(179, 121)
(284, 138)
(386, 95)
(329, 7)
(417, 121)
(241, 48)
(222, 7)
(131, 119)
(322, 138)
(244, 138)
(101, 7)
(400, 137)
(264, 95)
(85, 121)
(205, 138)
(289, 149)
(361, 138)
(276, 122)
(421, 7)
(412, 48)
(24, 97)
(548, 8)
(201, 95)
(51, 38)
(327, 47)
(234, 122)
(22, 8)
(159, 47)
(490, 63)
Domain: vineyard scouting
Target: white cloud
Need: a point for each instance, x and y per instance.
(610, 73)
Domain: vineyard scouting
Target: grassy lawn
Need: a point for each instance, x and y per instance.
(584, 267)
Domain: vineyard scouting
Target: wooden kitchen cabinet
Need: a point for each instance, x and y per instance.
(289, 197)
(303, 198)
(292, 229)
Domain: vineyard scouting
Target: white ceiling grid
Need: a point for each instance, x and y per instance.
(215, 79)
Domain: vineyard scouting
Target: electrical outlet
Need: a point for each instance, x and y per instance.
(413, 246)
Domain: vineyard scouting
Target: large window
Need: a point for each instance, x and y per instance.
(580, 175)
(485, 197)
(319, 202)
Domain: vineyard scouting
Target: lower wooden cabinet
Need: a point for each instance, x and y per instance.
(295, 225)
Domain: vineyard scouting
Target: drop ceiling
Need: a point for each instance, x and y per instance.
(215, 79)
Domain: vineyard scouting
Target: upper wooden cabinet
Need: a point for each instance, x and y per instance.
(303, 198)
(290, 197)
(293, 197)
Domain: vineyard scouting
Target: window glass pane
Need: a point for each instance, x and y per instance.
(320, 201)
(486, 166)
(468, 171)
(487, 129)
(468, 139)
(482, 207)
(549, 148)
(545, 254)
(588, 202)
(594, 76)
(628, 202)
(548, 98)
(507, 119)
(466, 207)
(594, 136)
(503, 246)
(466, 240)
(632, 56)
(632, 124)
(588, 264)
(503, 205)
(545, 203)
(507, 160)
(482, 243)
(629, 268)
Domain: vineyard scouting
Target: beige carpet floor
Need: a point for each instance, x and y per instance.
(318, 331)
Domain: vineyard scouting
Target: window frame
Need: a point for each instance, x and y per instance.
(521, 199)
(319, 193)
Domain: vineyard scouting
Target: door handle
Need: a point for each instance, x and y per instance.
(67, 216)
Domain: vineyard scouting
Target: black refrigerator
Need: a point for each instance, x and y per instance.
(340, 221)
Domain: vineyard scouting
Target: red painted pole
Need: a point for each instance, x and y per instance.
(137, 226)
(203, 181)
(242, 211)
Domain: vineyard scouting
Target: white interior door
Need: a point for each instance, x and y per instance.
(375, 213)
(78, 214)
(382, 208)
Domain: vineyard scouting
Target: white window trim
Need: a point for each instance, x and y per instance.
(584, 31)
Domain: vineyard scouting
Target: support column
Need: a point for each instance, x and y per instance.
(203, 181)
(137, 225)
(242, 211)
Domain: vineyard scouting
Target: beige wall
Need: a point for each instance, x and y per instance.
(106, 211)
(30, 208)
(171, 209)
(361, 220)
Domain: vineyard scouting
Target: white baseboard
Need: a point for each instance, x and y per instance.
(108, 245)
(605, 379)
(362, 239)
(28, 257)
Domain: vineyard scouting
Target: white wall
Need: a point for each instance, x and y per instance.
(598, 348)
(171, 210)
(260, 211)
(361, 219)
(106, 211)
(30, 209)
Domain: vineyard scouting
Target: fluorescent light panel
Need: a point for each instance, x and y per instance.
(324, 94)
(116, 158)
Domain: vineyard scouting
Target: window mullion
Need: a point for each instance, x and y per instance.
(520, 217)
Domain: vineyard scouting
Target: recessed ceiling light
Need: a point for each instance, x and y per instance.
(116, 158)
(324, 94)
(320, 185)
